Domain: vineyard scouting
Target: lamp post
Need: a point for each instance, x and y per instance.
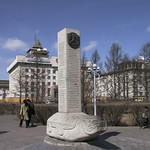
(96, 70)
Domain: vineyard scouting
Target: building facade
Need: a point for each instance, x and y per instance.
(34, 75)
(4, 88)
(131, 81)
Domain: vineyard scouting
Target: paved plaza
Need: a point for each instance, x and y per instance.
(12, 137)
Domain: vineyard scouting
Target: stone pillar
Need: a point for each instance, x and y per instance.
(70, 123)
(69, 78)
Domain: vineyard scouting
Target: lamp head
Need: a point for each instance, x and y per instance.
(94, 66)
(44, 49)
(98, 69)
(38, 49)
(89, 70)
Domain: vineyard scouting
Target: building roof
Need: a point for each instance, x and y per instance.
(130, 66)
(37, 50)
(37, 44)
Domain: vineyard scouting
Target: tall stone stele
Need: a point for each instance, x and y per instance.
(70, 123)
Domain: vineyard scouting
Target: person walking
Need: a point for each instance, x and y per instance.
(24, 114)
(30, 112)
(144, 121)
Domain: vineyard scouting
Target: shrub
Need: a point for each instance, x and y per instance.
(112, 112)
(9, 108)
(43, 112)
(116, 114)
(136, 110)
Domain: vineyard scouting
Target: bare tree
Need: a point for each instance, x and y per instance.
(21, 83)
(96, 60)
(125, 58)
(111, 65)
(95, 57)
(19, 79)
(83, 75)
(114, 57)
(145, 51)
(86, 85)
(38, 83)
(124, 79)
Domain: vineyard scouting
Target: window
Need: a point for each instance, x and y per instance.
(32, 95)
(140, 88)
(26, 70)
(49, 91)
(139, 66)
(49, 77)
(49, 83)
(43, 70)
(32, 89)
(26, 77)
(54, 83)
(32, 76)
(133, 65)
(54, 71)
(38, 92)
(32, 70)
(37, 83)
(26, 95)
(54, 77)
(129, 65)
(55, 93)
(27, 90)
(32, 84)
(38, 70)
(48, 71)
(43, 77)
(141, 93)
(26, 83)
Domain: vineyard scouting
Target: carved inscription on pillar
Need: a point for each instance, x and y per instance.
(62, 74)
(73, 79)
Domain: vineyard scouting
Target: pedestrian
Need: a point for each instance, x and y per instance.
(24, 114)
(144, 121)
(30, 112)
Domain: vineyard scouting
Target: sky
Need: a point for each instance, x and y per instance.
(101, 22)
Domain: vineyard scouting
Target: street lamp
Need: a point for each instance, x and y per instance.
(96, 70)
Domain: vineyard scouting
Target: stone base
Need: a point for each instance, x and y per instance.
(57, 142)
(75, 126)
(50, 143)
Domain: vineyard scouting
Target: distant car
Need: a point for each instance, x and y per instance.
(50, 101)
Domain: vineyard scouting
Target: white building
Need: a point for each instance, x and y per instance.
(34, 76)
(4, 88)
(131, 81)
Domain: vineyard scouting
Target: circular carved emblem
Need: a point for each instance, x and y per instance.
(73, 40)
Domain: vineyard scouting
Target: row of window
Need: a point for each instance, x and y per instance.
(132, 65)
(48, 93)
(41, 71)
(43, 77)
(38, 83)
(34, 94)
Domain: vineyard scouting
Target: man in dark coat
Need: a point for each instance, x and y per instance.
(144, 122)
(30, 112)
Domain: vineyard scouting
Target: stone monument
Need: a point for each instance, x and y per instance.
(70, 124)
